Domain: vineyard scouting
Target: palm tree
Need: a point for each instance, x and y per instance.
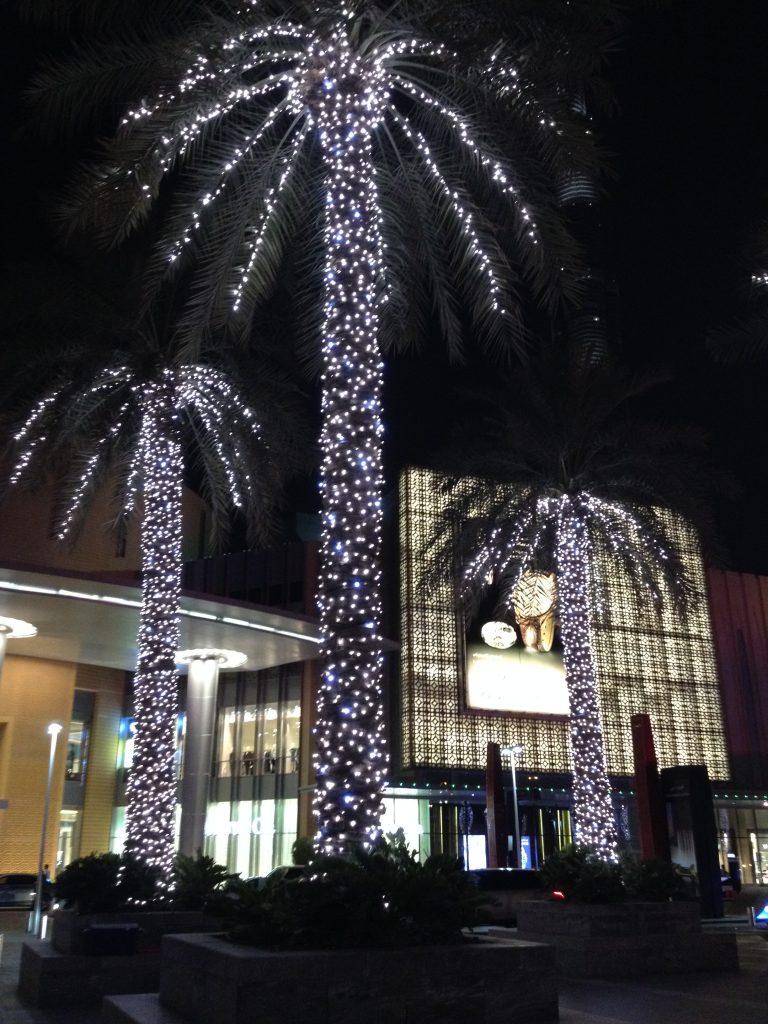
(562, 477)
(131, 415)
(394, 169)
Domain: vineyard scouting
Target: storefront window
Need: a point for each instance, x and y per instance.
(743, 843)
(251, 836)
(259, 739)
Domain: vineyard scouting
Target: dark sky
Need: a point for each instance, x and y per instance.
(690, 145)
(689, 141)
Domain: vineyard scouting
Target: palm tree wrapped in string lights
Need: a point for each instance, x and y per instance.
(134, 417)
(559, 478)
(396, 169)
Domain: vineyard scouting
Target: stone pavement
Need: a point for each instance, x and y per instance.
(670, 999)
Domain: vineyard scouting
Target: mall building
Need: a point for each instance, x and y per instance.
(702, 678)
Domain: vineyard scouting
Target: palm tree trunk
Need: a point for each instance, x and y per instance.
(593, 819)
(152, 781)
(350, 758)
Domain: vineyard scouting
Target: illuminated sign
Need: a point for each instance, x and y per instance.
(516, 680)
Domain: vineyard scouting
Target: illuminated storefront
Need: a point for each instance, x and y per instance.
(252, 818)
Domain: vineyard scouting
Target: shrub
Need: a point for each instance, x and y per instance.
(384, 897)
(650, 879)
(580, 875)
(302, 851)
(197, 880)
(105, 882)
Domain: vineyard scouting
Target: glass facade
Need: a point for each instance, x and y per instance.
(69, 838)
(252, 817)
(259, 739)
(743, 841)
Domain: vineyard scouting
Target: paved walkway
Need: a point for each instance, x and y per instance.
(669, 999)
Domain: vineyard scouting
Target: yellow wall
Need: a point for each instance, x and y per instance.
(25, 535)
(33, 693)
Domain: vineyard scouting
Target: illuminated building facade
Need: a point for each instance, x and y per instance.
(664, 666)
(78, 669)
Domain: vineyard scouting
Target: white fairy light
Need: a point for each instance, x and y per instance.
(157, 469)
(283, 97)
(564, 525)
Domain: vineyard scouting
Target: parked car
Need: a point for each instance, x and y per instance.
(18, 890)
(283, 873)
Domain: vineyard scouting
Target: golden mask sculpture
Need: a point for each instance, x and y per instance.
(534, 600)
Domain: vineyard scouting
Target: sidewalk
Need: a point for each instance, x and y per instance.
(669, 999)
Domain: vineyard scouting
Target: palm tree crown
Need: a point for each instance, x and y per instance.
(568, 478)
(128, 418)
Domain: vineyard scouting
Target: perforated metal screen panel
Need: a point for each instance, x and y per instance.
(662, 666)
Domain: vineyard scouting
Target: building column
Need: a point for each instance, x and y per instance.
(202, 687)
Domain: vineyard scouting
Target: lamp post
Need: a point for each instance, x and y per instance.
(37, 914)
(513, 751)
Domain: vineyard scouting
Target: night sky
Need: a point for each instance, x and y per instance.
(689, 140)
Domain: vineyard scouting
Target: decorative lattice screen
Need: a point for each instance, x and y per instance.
(663, 666)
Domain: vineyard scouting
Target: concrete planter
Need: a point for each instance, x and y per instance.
(71, 930)
(625, 939)
(206, 980)
(88, 956)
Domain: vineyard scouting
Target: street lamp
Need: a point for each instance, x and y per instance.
(37, 914)
(513, 752)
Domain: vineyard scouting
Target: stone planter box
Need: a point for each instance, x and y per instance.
(206, 980)
(625, 939)
(70, 929)
(81, 965)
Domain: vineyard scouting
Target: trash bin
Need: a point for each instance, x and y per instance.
(110, 939)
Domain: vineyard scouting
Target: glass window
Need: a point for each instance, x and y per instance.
(77, 751)
(126, 741)
(260, 739)
(251, 836)
(69, 838)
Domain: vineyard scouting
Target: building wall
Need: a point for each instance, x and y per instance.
(33, 693)
(664, 666)
(739, 604)
(25, 535)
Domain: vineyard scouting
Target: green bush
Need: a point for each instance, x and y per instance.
(196, 881)
(650, 879)
(580, 875)
(302, 851)
(105, 882)
(380, 898)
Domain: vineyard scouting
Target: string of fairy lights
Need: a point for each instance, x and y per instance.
(157, 471)
(334, 84)
(350, 758)
(593, 818)
(564, 526)
(151, 789)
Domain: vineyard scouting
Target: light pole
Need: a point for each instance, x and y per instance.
(513, 751)
(37, 914)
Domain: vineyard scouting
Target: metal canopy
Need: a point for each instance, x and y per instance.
(91, 622)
